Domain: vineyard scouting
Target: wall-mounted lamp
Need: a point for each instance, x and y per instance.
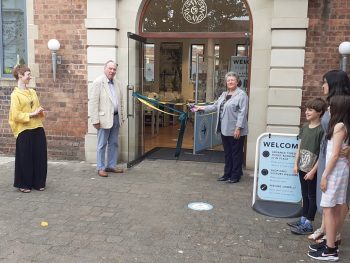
(54, 46)
(344, 50)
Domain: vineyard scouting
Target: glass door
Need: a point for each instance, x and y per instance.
(201, 83)
(134, 107)
(208, 87)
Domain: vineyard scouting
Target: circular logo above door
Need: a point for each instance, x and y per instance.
(194, 11)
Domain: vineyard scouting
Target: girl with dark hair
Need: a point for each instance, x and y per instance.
(25, 119)
(334, 180)
(335, 82)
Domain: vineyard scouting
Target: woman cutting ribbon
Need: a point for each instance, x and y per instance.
(232, 124)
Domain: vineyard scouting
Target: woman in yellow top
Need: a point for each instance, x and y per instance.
(25, 119)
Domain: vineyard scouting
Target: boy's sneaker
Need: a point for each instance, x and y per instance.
(318, 246)
(304, 229)
(324, 255)
(295, 223)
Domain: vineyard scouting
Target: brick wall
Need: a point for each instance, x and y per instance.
(7, 142)
(65, 101)
(329, 25)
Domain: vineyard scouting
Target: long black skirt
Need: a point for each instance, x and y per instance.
(31, 159)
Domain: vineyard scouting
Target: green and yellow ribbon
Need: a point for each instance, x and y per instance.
(182, 116)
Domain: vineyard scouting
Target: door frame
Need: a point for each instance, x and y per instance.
(136, 154)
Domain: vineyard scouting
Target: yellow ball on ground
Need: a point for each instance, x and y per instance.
(44, 224)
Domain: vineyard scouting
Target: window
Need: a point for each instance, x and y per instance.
(170, 66)
(217, 55)
(13, 26)
(196, 50)
(241, 50)
(196, 16)
(149, 63)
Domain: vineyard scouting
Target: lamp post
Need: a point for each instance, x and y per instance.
(344, 50)
(54, 46)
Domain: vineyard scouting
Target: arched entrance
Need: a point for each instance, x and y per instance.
(181, 54)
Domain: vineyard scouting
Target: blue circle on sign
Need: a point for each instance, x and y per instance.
(200, 206)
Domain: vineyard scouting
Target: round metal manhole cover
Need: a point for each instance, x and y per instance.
(200, 206)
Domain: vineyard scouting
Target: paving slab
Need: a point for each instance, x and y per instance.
(142, 216)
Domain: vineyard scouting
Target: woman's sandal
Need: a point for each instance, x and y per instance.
(316, 235)
(41, 189)
(24, 190)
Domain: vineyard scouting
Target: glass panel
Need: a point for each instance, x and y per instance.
(217, 55)
(13, 34)
(241, 50)
(170, 67)
(196, 16)
(135, 108)
(202, 79)
(220, 72)
(149, 64)
(195, 50)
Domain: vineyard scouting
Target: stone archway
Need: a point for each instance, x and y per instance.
(276, 73)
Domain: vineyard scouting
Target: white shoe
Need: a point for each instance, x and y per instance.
(316, 235)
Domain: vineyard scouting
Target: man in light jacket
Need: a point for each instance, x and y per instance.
(107, 115)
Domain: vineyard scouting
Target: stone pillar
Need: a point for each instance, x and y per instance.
(276, 70)
(102, 29)
(288, 36)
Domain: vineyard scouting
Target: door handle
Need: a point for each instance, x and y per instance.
(130, 101)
